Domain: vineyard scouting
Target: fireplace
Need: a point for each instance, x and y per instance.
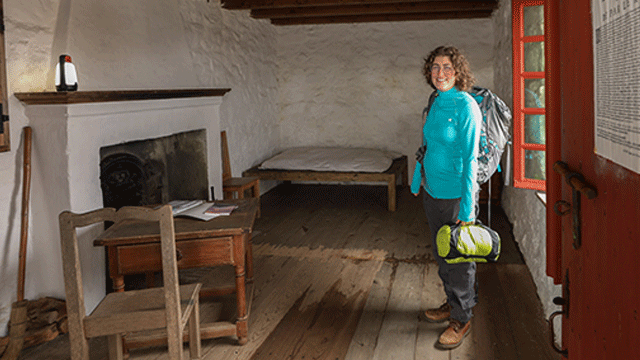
(72, 129)
(155, 171)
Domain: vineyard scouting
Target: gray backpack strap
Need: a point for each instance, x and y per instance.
(423, 149)
(425, 112)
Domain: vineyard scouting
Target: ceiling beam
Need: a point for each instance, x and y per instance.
(396, 8)
(381, 18)
(255, 4)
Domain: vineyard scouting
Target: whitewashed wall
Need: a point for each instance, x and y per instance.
(362, 85)
(229, 49)
(129, 44)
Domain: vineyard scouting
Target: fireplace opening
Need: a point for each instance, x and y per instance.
(155, 171)
(126, 180)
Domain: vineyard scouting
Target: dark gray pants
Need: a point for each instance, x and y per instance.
(459, 280)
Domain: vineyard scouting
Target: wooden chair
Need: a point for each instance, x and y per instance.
(170, 307)
(236, 185)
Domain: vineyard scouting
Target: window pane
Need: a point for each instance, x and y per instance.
(534, 129)
(534, 93)
(534, 164)
(533, 20)
(534, 56)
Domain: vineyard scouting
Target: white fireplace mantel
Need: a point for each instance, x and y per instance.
(69, 128)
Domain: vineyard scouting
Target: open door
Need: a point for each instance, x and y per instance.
(599, 246)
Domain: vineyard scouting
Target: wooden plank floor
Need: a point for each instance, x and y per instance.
(340, 277)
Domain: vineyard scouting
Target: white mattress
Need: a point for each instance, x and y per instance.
(332, 159)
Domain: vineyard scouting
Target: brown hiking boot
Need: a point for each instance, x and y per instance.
(453, 336)
(438, 315)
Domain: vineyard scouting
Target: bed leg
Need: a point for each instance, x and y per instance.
(391, 191)
(405, 176)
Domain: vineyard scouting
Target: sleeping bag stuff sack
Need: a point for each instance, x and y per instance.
(469, 243)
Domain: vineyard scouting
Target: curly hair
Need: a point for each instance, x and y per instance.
(464, 76)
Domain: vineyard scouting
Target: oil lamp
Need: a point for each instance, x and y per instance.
(66, 77)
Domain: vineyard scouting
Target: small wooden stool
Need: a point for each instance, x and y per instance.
(236, 185)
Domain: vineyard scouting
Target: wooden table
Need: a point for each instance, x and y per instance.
(133, 248)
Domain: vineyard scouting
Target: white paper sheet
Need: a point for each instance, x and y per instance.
(616, 31)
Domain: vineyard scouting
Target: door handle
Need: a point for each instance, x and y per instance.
(559, 204)
(578, 186)
(552, 335)
(575, 180)
(564, 302)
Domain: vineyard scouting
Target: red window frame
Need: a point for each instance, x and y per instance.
(519, 111)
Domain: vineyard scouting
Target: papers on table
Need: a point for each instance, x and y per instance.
(199, 209)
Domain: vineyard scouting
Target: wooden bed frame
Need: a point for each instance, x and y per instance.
(397, 169)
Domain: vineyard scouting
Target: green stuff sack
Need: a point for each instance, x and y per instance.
(469, 243)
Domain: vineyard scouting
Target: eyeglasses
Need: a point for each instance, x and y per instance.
(448, 70)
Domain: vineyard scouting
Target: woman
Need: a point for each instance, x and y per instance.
(448, 175)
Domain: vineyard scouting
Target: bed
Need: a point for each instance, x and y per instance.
(336, 164)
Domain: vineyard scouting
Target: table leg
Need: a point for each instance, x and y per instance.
(249, 258)
(117, 280)
(242, 326)
(118, 283)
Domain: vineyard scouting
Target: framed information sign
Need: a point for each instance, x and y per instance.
(616, 55)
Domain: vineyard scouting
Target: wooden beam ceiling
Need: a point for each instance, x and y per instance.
(299, 12)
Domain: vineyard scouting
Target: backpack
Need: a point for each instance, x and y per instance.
(494, 131)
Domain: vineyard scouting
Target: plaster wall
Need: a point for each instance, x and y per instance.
(361, 85)
(124, 44)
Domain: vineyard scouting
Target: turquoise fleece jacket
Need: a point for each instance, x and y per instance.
(451, 133)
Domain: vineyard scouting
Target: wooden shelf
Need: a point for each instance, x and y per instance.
(77, 97)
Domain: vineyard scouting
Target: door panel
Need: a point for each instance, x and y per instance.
(604, 273)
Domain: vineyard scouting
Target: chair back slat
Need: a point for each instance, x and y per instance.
(170, 277)
(226, 164)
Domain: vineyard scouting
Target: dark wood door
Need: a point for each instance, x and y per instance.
(601, 277)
